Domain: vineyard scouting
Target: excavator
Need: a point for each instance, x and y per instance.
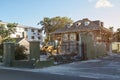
(50, 48)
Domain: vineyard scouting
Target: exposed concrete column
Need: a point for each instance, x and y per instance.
(110, 49)
(34, 50)
(9, 56)
(80, 45)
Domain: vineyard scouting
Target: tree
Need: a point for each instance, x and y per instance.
(118, 34)
(51, 24)
(6, 31)
(45, 23)
(111, 28)
(20, 52)
(118, 29)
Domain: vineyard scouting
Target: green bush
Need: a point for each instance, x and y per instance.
(20, 52)
(1, 49)
(42, 64)
(1, 58)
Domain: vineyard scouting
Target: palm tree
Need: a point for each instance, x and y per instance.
(51, 24)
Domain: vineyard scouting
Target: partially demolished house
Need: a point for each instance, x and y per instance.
(87, 38)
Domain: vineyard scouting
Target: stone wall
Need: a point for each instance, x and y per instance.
(34, 50)
(9, 56)
(93, 49)
(100, 49)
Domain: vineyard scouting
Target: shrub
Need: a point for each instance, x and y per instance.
(1, 49)
(20, 52)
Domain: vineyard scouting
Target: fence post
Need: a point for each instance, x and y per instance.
(34, 50)
(8, 56)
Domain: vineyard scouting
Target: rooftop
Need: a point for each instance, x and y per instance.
(83, 25)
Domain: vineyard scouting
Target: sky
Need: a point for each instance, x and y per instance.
(30, 12)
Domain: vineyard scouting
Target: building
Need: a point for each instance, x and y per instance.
(82, 35)
(116, 42)
(27, 32)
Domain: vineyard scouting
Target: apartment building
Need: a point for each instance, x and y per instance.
(26, 32)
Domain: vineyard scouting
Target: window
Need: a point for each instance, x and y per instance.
(19, 29)
(26, 29)
(32, 37)
(86, 23)
(34, 33)
(78, 24)
(72, 37)
(39, 38)
(65, 37)
(32, 30)
(69, 25)
(39, 30)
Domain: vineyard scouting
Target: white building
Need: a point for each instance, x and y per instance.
(27, 32)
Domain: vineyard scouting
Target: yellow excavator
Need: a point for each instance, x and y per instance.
(50, 48)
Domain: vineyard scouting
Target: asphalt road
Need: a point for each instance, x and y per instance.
(105, 68)
(24, 75)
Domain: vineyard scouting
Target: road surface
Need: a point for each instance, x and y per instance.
(26, 75)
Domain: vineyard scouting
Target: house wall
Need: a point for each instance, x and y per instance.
(18, 33)
(89, 46)
(93, 49)
(100, 49)
(25, 43)
(69, 47)
(86, 46)
(31, 34)
(69, 43)
(116, 47)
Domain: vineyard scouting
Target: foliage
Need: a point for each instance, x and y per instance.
(6, 31)
(20, 52)
(111, 28)
(117, 35)
(118, 29)
(42, 64)
(46, 40)
(51, 24)
(1, 49)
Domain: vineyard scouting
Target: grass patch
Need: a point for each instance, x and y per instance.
(23, 64)
(42, 64)
(1, 59)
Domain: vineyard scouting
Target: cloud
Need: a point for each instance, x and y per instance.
(103, 4)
